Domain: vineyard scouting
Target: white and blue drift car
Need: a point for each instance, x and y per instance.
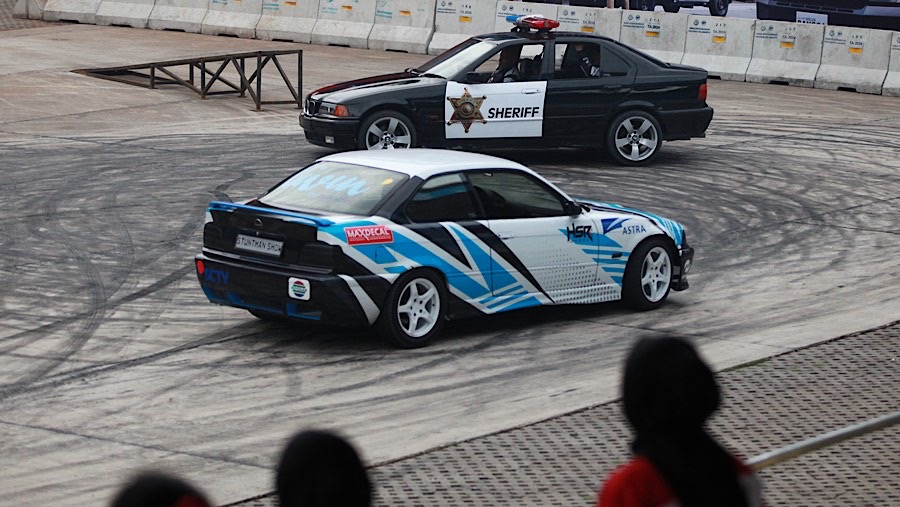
(404, 239)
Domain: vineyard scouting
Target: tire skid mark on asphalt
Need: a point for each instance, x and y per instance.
(224, 458)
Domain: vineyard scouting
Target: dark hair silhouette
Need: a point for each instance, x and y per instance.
(321, 469)
(157, 489)
(669, 393)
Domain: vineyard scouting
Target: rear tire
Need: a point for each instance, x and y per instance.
(671, 6)
(648, 275)
(634, 138)
(718, 7)
(414, 310)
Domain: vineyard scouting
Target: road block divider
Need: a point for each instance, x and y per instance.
(82, 11)
(854, 58)
(29, 9)
(455, 22)
(184, 15)
(892, 80)
(403, 25)
(232, 17)
(606, 22)
(288, 20)
(507, 8)
(133, 13)
(658, 34)
(344, 23)
(722, 46)
(786, 53)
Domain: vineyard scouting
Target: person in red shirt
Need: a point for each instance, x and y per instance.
(668, 393)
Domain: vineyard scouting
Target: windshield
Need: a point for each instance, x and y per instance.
(334, 187)
(455, 60)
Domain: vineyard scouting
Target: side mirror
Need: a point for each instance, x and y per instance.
(572, 208)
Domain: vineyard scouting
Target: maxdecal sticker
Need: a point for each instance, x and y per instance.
(298, 288)
(369, 235)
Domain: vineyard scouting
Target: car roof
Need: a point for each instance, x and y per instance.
(538, 36)
(424, 162)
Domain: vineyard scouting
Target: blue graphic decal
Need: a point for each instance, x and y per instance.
(611, 224)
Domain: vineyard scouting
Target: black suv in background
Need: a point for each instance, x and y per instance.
(716, 7)
(881, 14)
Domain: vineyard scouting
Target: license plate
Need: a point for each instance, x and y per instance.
(258, 245)
(812, 18)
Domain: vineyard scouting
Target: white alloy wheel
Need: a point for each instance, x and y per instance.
(419, 307)
(636, 138)
(387, 130)
(656, 274)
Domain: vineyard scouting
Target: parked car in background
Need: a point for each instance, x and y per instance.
(881, 14)
(716, 7)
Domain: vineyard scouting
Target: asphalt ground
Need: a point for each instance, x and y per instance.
(111, 360)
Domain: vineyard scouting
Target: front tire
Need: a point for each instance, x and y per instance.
(415, 309)
(648, 275)
(387, 130)
(718, 7)
(634, 138)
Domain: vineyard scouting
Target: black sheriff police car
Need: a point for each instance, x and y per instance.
(530, 87)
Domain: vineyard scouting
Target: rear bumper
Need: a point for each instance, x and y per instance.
(326, 298)
(685, 124)
(679, 278)
(870, 16)
(330, 132)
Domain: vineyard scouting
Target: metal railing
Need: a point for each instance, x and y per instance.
(815, 443)
(147, 74)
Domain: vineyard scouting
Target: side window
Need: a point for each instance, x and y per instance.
(579, 60)
(442, 198)
(520, 62)
(612, 64)
(505, 194)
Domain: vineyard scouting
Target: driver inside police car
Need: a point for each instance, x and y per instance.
(508, 68)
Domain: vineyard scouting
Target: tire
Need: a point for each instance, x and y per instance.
(648, 275)
(415, 308)
(643, 5)
(387, 130)
(634, 138)
(718, 7)
(671, 7)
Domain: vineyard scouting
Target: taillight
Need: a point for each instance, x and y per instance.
(701, 95)
(200, 267)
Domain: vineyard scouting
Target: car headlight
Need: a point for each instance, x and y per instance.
(339, 110)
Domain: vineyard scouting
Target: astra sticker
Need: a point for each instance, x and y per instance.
(466, 110)
(298, 288)
(369, 235)
(633, 229)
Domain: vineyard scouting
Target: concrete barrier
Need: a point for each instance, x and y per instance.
(892, 81)
(658, 34)
(722, 46)
(785, 52)
(82, 11)
(134, 13)
(29, 9)
(403, 25)
(606, 22)
(455, 22)
(232, 17)
(344, 23)
(183, 15)
(289, 20)
(854, 58)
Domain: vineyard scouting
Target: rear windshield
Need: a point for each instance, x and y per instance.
(334, 187)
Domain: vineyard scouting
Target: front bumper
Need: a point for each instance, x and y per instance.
(337, 133)
(267, 289)
(679, 276)
(685, 124)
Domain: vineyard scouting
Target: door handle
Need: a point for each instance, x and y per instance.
(612, 87)
(505, 235)
(530, 91)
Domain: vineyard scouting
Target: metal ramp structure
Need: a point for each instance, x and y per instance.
(185, 72)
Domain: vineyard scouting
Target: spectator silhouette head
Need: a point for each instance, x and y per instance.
(156, 489)
(669, 392)
(321, 469)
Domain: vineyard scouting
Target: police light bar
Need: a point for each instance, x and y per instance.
(532, 21)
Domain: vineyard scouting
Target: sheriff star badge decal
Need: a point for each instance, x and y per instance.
(466, 110)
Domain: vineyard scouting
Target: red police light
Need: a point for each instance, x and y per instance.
(533, 22)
